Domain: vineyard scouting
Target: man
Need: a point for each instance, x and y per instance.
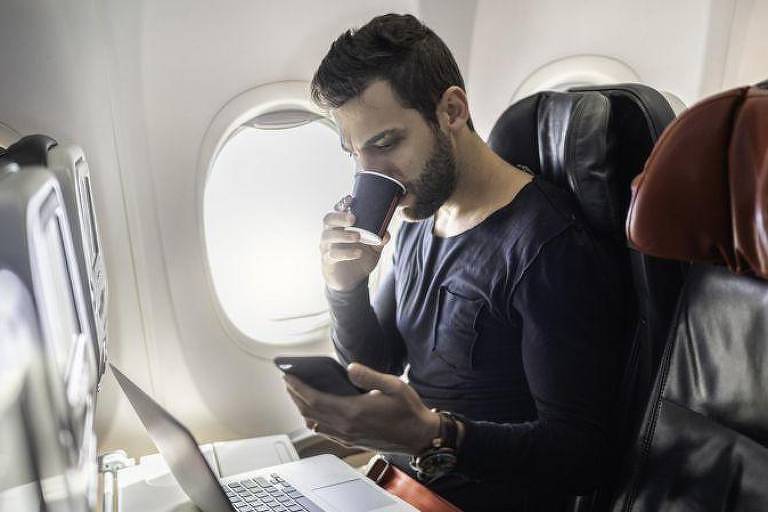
(500, 304)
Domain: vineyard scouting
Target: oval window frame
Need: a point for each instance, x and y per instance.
(237, 112)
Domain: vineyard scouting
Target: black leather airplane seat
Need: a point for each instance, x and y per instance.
(703, 197)
(593, 141)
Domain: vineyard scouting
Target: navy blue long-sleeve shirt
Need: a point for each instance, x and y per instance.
(515, 324)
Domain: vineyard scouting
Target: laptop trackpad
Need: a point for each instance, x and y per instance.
(353, 496)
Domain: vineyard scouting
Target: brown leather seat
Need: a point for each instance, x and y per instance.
(703, 198)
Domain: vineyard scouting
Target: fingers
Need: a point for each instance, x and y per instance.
(338, 236)
(313, 417)
(338, 440)
(380, 247)
(342, 254)
(311, 424)
(366, 378)
(338, 219)
(312, 398)
(335, 237)
(317, 422)
(344, 204)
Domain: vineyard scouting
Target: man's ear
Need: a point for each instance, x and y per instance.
(453, 109)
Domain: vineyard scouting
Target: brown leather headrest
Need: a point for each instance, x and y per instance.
(703, 195)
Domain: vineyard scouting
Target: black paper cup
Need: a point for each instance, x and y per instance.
(374, 199)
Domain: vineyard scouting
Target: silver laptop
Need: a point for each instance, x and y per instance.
(321, 483)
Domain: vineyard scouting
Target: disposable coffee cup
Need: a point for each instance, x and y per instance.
(374, 199)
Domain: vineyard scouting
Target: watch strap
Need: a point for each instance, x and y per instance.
(449, 431)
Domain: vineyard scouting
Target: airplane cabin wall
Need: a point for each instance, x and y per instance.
(664, 43)
(138, 83)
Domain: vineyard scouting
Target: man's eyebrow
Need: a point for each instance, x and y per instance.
(373, 140)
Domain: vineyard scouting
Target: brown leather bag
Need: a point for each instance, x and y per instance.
(406, 488)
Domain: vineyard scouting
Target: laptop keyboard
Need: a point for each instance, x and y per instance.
(268, 495)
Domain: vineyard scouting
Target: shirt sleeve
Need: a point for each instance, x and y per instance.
(364, 333)
(569, 303)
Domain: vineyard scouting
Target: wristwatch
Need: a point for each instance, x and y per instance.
(441, 457)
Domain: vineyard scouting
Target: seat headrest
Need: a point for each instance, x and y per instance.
(30, 150)
(703, 195)
(590, 141)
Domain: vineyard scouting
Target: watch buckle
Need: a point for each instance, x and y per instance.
(377, 468)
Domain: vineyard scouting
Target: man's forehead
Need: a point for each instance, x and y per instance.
(375, 102)
(378, 95)
(375, 110)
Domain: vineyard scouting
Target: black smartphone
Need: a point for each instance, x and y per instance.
(320, 372)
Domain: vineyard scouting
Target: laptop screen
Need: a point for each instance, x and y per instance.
(179, 449)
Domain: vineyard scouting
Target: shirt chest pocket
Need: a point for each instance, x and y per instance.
(456, 328)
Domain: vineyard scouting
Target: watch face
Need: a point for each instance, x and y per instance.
(437, 463)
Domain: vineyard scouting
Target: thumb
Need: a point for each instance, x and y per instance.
(384, 241)
(366, 378)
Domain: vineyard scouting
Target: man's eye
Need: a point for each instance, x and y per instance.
(384, 147)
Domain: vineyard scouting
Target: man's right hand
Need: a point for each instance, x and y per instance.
(345, 261)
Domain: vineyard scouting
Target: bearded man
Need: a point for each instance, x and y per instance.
(501, 305)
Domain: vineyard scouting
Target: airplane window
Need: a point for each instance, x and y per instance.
(264, 200)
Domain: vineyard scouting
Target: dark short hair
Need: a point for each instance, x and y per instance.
(397, 48)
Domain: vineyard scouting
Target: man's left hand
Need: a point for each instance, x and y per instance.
(389, 417)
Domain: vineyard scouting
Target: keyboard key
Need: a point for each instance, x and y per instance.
(308, 505)
(268, 495)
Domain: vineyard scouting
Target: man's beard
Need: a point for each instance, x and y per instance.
(436, 182)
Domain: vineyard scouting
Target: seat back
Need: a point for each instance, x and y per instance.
(20, 487)
(36, 245)
(38, 469)
(703, 197)
(68, 164)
